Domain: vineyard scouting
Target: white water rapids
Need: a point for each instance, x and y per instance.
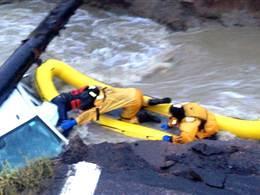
(218, 68)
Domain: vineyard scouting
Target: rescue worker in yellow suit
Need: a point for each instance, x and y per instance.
(193, 121)
(100, 100)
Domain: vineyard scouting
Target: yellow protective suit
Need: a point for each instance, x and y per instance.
(110, 98)
(198, 123)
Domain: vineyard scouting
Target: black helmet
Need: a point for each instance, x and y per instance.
(93, 91)
(177, 112)
(88, 97)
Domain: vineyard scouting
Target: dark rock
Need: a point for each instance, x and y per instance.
(208, 150)
(185, 172)
(205, 149)
(167, 164)
(243, 164)
(211, 177)
(243, 184)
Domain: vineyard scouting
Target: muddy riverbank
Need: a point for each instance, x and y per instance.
(184, 14)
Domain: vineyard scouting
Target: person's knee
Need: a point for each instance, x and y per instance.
(139, 98)
(130, 120)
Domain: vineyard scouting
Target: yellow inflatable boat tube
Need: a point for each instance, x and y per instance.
(55, 68)
(47, 90)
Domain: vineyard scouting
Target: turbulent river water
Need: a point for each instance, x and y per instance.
(218, 67)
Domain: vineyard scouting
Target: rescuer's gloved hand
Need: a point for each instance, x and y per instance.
(165, 126)
(167, 138)
(67, 125)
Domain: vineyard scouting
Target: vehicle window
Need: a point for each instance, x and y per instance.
(32, 140)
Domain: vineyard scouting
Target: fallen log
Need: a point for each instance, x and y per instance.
(30, 50)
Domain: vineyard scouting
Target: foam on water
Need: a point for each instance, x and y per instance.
(113, 48)
(116, 49)
(17, 20)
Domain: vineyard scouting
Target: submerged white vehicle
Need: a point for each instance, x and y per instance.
(27, 129)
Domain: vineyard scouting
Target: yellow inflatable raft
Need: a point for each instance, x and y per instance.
(47, 90)
(55, 68)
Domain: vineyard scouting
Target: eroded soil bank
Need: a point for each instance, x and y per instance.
(153, 167)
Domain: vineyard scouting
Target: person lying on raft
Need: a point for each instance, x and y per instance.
(93, 101)
(194, 122)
